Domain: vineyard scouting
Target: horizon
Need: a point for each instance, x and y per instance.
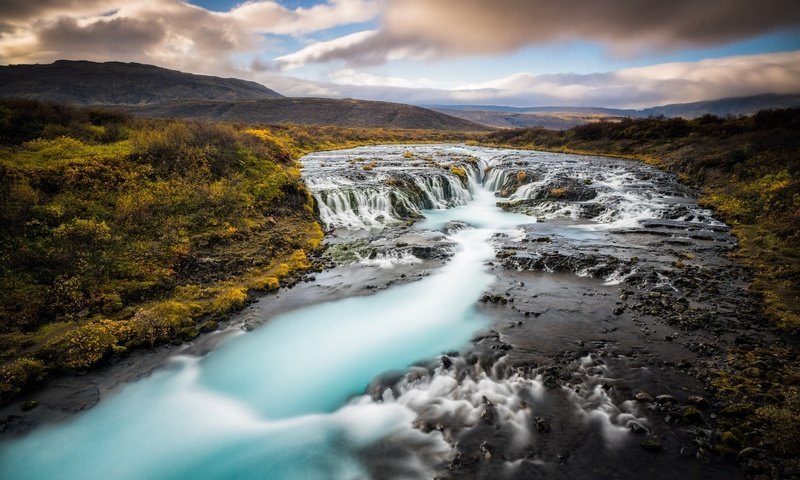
(514, 53)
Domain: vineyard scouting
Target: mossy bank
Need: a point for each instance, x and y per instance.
(122, 233)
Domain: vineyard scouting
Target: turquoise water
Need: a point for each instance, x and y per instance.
(277, 402)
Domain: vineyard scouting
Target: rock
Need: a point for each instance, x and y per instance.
(652, 445)
(446, 362)
(618, 310)
(542, 425)
(689, 451)
(731, 440)
(486, 448)
(692, 414)
(487, 414)
(665, 398)
(750, 452)
(28, 405)
(698, 401)
(644, 397)
(637, 428)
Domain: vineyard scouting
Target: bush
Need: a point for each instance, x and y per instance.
(15, 377)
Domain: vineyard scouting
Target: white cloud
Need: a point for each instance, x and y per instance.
(415, 29)
(627, 88)
(320, 51)
(172, 33)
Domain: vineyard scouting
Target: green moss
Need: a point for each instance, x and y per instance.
(730, 440)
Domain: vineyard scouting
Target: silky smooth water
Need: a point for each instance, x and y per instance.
(273, 403)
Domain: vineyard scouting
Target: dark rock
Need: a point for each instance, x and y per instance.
(644, 397)
(698, 401)
(750, 452)
(542, 425)
(638, 428)
(446, 362)
(487, 414)
(665, 398)
(652, 445)
(692, 414)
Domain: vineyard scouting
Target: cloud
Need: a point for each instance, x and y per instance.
(170, 32)
(628, 88)
(431, 29)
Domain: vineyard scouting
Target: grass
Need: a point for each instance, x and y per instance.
(122, 233)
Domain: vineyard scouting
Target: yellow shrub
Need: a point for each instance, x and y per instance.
(459, 171)
(268, 284)
(229, 299)
(159, 322)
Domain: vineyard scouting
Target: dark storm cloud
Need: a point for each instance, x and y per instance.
(121, 35)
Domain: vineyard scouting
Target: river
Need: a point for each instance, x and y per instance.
(358, 387)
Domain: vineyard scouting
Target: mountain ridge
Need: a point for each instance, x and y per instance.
(149, 90)
(80, 82)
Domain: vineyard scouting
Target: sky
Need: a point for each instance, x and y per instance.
(605, 53)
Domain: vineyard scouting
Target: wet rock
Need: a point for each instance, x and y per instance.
(488, 415)
(692, 414)
(644, 397)
(486, 448)
(446, 362)
(638, 428)
(750, 452)
(730, 440)
(652, 445)
(698, 401)
(689, 451)
(14, 424)
(666, 398)
(542, 425)
(498, 299)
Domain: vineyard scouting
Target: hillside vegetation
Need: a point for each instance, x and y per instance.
(122, 233)
(311, 111)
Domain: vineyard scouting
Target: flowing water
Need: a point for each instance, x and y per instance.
(288, 401)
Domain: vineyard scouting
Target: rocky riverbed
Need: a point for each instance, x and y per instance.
(609, 301)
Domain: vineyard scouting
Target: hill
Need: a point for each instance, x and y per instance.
(151, 91)
(310, 111)
(117, 83)
(520, 118)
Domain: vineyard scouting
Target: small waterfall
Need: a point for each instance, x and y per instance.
(495, 179)
(345, 204)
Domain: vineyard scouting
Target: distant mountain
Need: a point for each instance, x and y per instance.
(152, 91)
(566, 117)
(725, 106)
(546, 109)
(555, 120)
(310, 111)
(116, 83)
